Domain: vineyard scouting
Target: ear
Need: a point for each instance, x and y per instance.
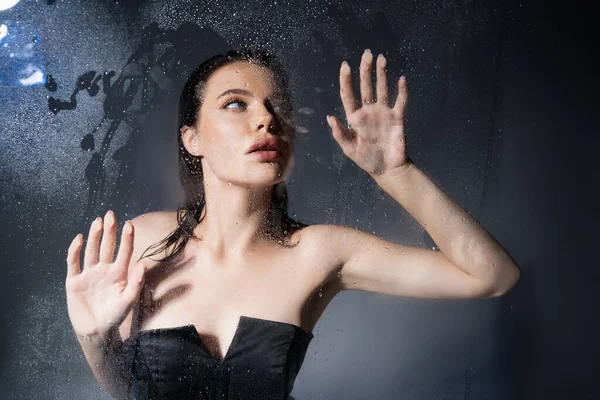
(191, 140)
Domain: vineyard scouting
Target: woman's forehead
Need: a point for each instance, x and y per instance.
(241, 75)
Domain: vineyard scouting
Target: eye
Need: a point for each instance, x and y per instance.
(240, 104)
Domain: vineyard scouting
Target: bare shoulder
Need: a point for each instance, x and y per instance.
(150, 228)
(320, 237)
(320, 244)
(338, 247)
(155, 223)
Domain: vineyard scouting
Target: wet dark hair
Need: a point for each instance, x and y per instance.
(190, 167)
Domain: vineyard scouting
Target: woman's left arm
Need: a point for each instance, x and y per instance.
(470, 263)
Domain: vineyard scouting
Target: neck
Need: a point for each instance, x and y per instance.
(235, 219)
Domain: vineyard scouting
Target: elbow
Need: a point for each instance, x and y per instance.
(507, 279)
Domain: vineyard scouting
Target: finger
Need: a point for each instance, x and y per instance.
(366, 77)
(341, 135)
(109, 238)
(73, 256)
(382, 85)
(346, 91)
(135, 284)
(126, 246)
(91, 247)
(402, 98)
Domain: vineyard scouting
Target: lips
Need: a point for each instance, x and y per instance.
(265, 143)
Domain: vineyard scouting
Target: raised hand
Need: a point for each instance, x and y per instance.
(374, 138)
(100, 297)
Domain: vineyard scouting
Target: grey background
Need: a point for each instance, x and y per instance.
(501, 102)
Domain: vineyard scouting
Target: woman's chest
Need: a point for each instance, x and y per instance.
(278, 286)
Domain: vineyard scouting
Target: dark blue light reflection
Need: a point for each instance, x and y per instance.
(21, 59)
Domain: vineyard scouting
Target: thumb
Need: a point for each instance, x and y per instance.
(134, 285)
(341, 135)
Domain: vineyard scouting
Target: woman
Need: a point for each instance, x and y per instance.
(230, 302)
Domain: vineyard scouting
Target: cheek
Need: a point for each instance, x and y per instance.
(224, 146)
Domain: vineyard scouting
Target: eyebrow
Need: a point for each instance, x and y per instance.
(235, 91)
(245, 92)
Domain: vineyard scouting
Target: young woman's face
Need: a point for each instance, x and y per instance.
(242, 107)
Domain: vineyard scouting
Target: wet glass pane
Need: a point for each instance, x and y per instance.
(330, 200)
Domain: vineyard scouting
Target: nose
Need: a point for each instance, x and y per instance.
(269, 129)
(266, 119)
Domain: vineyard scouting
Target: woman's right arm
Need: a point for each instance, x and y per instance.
(104, 358)
(100, 297)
